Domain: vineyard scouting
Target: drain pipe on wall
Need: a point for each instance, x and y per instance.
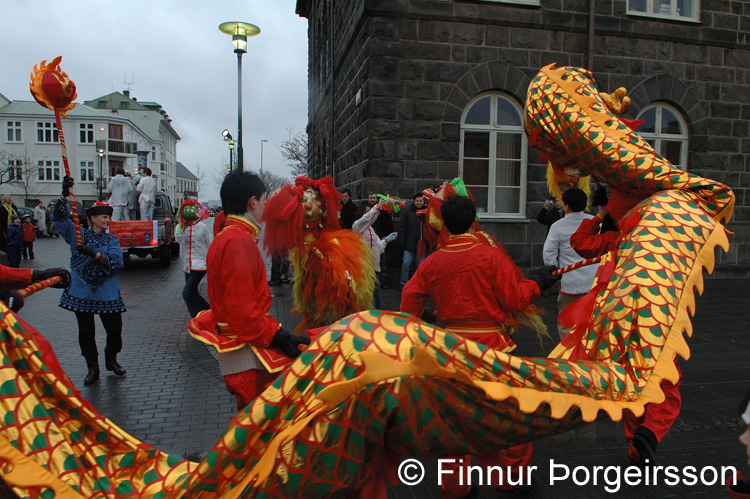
(592, 12)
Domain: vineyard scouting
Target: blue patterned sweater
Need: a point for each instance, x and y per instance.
(93, 287)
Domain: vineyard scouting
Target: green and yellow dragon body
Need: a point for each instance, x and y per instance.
(378, 383)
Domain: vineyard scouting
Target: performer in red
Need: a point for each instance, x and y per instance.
(645, 432)
(450, 278)
(239, 294)
(12, 279)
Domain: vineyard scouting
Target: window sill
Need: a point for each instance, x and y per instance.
(664, 17)
(503, 219)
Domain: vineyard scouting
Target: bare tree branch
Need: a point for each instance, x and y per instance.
(295, 151)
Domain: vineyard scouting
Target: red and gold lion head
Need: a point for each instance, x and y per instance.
(304, 208)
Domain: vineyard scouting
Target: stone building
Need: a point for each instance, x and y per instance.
(404, 94)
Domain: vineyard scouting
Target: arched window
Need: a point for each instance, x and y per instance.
(664, 128)
(494, 155)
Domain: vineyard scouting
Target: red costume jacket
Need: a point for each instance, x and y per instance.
(237, 288)
(475, 288)
(11, 278)
(29, 232)
(587, 242)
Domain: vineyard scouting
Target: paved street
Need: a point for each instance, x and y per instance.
(173, 396)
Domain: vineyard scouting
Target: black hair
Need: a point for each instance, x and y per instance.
(600, 197)
(575, 198)
(120, 171)
(237, 189)
(147, 171)
(417, 195)
(345, 190)
(458, 214)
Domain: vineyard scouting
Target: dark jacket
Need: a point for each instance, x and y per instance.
(409, 229)
(348, 215)
(548, 217)
(14, 237)
(383, 225)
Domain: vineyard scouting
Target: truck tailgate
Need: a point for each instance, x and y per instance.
(135, 232)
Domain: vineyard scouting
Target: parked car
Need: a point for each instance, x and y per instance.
(24, 211)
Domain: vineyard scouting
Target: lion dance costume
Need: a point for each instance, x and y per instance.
(382, 380)
(333, 268)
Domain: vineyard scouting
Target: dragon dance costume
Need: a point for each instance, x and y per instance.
(450, 278)
(380, 380)
(238, 324)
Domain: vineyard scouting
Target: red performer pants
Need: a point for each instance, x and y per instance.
(512, 461)
(247, 385)
(657, 417)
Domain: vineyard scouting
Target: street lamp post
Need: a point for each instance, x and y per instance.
(101, 176)
(261, 157)
(239, 31)
(228, 139)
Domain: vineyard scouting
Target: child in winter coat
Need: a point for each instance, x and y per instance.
(29, 235)
(14, 242)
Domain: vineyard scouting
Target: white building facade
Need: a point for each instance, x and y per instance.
(99, 139)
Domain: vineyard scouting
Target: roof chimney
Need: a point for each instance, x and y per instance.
(126, 93)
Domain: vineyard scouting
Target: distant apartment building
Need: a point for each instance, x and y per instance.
(101, 136)
(404, 94)
(187, 184)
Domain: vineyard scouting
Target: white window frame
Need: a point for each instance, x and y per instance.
(658, 137)
(14, 131)
(86, 171)
(521, 2)
(49, 170)
(494, 130)
(673, 13)
(86, 133)
(46, 133)
(15, 169)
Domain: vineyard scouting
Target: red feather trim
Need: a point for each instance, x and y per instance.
(285, 219)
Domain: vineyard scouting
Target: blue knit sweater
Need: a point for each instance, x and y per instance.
(93, 287)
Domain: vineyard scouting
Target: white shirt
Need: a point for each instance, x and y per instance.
(194, 242)
(120, 187)
(147, 188)
(366, 232)
(557, 251)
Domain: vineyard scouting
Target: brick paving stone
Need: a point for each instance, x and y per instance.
(173, 396)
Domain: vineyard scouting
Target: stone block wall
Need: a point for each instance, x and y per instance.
(417, 63)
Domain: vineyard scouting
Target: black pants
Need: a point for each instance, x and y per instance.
(28, 249)
(87, 334)
(279, 267)
(14, 257)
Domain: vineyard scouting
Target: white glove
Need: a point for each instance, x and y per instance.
(391, 237)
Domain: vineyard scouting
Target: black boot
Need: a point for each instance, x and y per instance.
(93, 374)
(112, 365)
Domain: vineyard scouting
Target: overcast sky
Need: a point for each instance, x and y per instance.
(175, 54)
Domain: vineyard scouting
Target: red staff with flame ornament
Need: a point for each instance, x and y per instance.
(53, 89)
